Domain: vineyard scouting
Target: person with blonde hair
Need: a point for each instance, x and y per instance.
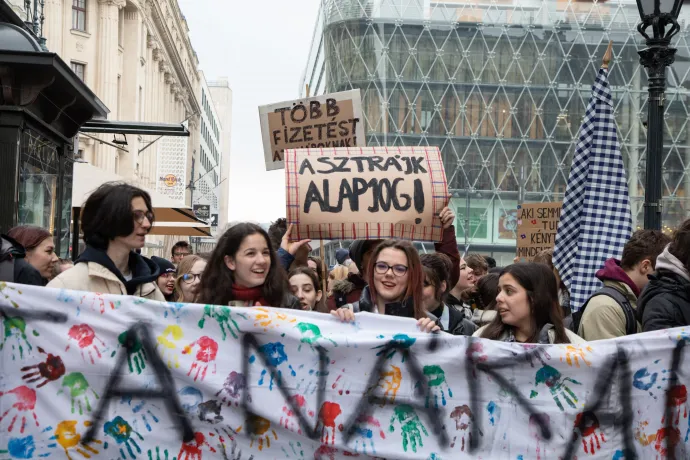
(188, 280)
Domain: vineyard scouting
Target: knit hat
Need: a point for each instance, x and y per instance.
(341, 255)
(164, 264)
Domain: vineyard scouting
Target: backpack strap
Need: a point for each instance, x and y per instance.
(622, 300)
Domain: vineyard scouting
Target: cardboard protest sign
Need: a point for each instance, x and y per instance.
(366, 193)
(110, 377)
(537, 227)
(330, 120)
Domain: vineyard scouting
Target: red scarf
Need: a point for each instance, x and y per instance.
(248, 295)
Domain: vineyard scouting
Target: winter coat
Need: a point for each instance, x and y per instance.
(456, 323)
(665, 302)
(345, 291)
(546, 335)
(96, 272)
(604, 317)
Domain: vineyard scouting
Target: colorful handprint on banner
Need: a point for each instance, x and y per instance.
(399, 341)
(28, 447)
(96, 302)
(121, 431)
(311, 335)
(231, 393)
(78, 388)
(67, 436)
(136, 355)
(463, 417)
(366, 427)
(289, 418)
(328, 414)
(389, 382)
(224, 317)
(14, 334)
(557, 385)
(411, 427)
(44, 372)
(87, 341)
(205, 356)
(575, 353)
(23, 405)
(270, 319)
(259, 430)
(193, 450)
(436, 385)
(167, 344)
(274, 354)
(592, 437)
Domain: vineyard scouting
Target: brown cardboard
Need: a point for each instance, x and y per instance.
(537, 227)
(326, 121)
(331, 193)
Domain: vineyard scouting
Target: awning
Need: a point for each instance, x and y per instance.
(88, 178)
(191, 230)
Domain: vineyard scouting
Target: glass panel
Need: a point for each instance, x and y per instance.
(38, 181)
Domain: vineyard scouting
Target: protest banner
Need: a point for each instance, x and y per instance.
(326, 121)
(365, 193)
(537, 226)
(111, 377)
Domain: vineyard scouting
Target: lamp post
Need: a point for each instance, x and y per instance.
(662, 16)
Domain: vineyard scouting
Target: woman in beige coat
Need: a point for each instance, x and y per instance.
(115, 221)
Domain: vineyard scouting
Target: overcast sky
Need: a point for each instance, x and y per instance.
(262, 47)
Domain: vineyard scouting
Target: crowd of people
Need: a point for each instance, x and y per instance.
(648, 289)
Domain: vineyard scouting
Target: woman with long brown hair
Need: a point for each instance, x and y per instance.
(395, 279)
(528, 308)
(244, 271)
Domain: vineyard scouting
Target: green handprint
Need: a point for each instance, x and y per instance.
(159, 455)
(310, 335)
(556, 384)
(136, 356)
(410, 426)
(436, 381)
(223, 315)
(15, 327)
(78, 387)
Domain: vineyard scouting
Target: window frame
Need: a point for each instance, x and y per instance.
(77, 10)
(74, 65)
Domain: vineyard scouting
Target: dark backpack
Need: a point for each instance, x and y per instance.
(6, 261)
(620, 298)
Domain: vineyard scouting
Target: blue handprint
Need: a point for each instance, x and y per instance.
(401, 340)
(274, 353)
(122, 432)
(141, 409)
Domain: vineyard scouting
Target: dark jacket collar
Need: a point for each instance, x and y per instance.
(143, 270)
(406, 306)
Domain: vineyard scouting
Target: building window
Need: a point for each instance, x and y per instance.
(79, 15)
(79, 69)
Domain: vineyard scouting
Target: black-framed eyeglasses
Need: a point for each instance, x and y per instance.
(190, 277)
(139, 216)
(382, 268)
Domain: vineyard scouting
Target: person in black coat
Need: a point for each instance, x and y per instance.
(665, 302)
(13, 266)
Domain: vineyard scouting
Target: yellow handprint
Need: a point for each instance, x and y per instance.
(69, 439)
(574, 354)
(389, 381)
(169, 347)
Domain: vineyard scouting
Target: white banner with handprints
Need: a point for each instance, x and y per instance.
(109, 377)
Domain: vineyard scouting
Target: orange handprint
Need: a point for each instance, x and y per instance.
(257, 427)
(389, 381)
(69, 439)
(573, 354)
(269, 319)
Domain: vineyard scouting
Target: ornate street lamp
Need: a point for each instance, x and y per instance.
(662, 16)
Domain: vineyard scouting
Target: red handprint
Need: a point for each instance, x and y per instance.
(52, 369)
(327, 415)
(208, 349)
(588, 424)
(26, 401)
(289, 420)
(661, 444)
(85, 336)
(677, 399)
(535, 420)
(192, 449)
(102, 303)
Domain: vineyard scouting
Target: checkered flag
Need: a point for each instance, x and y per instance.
(596, 220)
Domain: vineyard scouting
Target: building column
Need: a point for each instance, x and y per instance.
(53, 26)
(106, 74)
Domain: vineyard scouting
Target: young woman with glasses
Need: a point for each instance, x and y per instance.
(244, 271)
(188, 281)
(115, 221)
(395, 279)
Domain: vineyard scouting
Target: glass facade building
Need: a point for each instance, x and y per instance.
(501, 88)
